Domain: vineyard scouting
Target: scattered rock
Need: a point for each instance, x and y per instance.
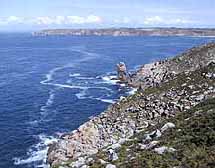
(167, 126)
(200, 97)
(115, 146)
(103, 162)
(154, 134)
(163, 149)
(112, 155)
(149, 145)
(77, 164)
(157, 98)
(110, 166)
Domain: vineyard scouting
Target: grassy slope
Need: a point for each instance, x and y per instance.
(193, 138)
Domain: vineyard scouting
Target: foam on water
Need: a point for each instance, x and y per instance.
(122, 84)
(74, 74)
(88, 56)
(110, 79)
(85, 78)
(37, 154)
(49, 101)
(66, 86)
(81, 94)
(111, 101)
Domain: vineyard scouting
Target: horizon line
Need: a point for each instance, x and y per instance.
(94, 28)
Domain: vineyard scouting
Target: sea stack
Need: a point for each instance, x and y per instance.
(122, 72)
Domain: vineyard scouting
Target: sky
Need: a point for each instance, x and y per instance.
(28, 15)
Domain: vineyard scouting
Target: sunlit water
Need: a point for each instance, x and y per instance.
(50, 85)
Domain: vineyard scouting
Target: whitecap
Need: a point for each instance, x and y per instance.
(37, 153)
(74, 74)
(49, 101)
(66, 86)
(50, 74)
(110, 79)
(81, 94)
(85, 78)
(33, 122)
(122, 84)
(111, 101)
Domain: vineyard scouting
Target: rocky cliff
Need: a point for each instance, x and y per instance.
(129, 32)
(168, 122)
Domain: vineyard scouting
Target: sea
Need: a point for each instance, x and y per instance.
(52, 84)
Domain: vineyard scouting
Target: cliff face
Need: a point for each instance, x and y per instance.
(129, 32)
(152, 74)
(135, 128)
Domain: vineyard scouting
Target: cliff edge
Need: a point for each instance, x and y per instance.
(175, 100)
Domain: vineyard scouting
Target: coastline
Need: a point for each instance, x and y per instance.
(193, 32)
(120, 121)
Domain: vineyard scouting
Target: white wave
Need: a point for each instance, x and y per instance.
(106, 100)
(78, 76)
(66, 86)
(74, 74)
(132, 91)
(49, 101)
(85, 78)
(50, 76)
(81, 94)
(44, 110)
(37, 153)
(51, 73)
(110, 79)
(33, 123)
(122, 84)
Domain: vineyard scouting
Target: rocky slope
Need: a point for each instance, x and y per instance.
(174, 99)
(129, 32)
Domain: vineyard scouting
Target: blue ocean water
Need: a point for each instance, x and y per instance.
(51, 85)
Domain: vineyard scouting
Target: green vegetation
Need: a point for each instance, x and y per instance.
(185, 99)
(193, 138)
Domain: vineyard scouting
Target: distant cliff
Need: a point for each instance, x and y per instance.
(129, 32)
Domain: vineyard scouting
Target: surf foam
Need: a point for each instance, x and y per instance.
(37, 154)
(110, 79)
(111, 101)
(74, 74)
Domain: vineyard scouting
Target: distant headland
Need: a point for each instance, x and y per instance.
(129, 32)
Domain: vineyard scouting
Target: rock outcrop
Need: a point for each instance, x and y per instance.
(122, 72)
(166, 88)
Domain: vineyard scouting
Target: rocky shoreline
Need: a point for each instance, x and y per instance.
(165, 88)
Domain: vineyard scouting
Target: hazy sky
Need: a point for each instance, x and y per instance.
(16, 15)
